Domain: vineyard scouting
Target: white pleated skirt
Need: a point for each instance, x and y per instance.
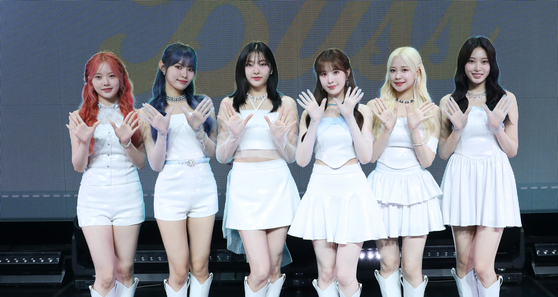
(409, 198)
(260, 195)
(338, 206)
(480, 192)
(182, 191)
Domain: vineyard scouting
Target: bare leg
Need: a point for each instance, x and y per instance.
(463, 237)
(411, 259)
(346, 264)
(326, 253)
(257, 252)
(276, 243)
(484, 250)
(125, 245)
(175, 241)
(389, 256)
(101, 246)
(200, 231)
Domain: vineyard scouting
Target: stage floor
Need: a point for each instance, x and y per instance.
(530, 287)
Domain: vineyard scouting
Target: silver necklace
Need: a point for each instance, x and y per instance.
(475, 96)
(176, 99)
(405, 101)
(252, 99)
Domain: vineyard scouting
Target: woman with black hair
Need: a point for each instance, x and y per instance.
(182, 138)
(479, 132)
(257, 128)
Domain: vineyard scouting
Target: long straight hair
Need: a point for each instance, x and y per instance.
(187, 57)
(89, 108)
(242, 84)
(494, 92)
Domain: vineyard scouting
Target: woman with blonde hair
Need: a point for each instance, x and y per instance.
(406, 130)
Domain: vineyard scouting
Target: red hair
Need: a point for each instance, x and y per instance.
(90, 108)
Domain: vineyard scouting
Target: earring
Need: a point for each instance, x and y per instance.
(347, 82)
(163, 72)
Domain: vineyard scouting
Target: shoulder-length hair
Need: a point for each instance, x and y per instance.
(89, 108)
(494, 92)
(242, 84)
(187, 57)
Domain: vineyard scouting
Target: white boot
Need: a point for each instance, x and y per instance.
(391, 286)
(409, 291)
(94, 293)
(274, 289)
(249, 293)
(493, 290)
(331, 291)
(183, 292)
(466, 286)
(200, 290)
(356, 294)
(124, 291)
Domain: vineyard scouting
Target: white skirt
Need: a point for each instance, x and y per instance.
(117, 205)
(409, 198)
(338, 206)
(480, 192)
(182, 191)
(260, 195)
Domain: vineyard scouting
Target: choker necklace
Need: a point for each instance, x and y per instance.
(176, 99)
(405, 101)
(475, 96)
(262, 97)
(332, 104)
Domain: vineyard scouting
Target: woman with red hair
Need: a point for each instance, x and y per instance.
(108, 149)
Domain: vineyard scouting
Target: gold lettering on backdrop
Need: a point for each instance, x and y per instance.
(212, 83)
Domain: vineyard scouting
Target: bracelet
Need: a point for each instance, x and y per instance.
(127, 145)
(384, 123)
(201, 139)
(419, 144)
(500, 129)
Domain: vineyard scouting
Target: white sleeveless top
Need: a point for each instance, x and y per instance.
(334, 143)
(109, 164)
(182, 142)
(477, 140)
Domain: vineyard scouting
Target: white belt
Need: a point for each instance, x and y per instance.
(191, 162)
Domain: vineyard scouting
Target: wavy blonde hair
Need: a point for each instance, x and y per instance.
(412, 59)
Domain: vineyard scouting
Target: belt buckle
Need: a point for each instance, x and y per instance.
(191, 163)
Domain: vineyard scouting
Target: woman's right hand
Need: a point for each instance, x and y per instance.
(80, 129)
(384, 114)
(456, 116)
(155, 118)
(309, 103)
(232, 120)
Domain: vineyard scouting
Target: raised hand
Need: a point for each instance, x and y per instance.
(498, 114)
(281, 127)
(352, 98)
(232, 120)
(384, 114)
(128, 127)
(419, 115)
(80, 129)
(309, 103)
(456, 116)
(199, 115)
(155, 118)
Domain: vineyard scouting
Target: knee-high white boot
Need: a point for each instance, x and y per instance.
(94, 293)
(183, 292)
(331, 291)
(197, 289)
(391, 286)
(493, 290)
(466, 286)
(356, 294)
(249, 293)
(274, 289)
(124, 291)
(409, 291)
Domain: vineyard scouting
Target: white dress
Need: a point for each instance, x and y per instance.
(338, 205)
(186, 186)
(408, 194)
(110, 192)
(479, 184)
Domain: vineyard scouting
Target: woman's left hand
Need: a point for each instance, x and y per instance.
(281, 126)
(419, 115)
(498, 114)
(199, 115)
(127, 129)
(352, 98)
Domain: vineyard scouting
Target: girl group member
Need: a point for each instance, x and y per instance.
(338, 211)
(257, 128)
(479, 132)
(406, 130)
(179, 143)
(108, 149)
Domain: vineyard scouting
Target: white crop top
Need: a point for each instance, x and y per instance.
(334, 143)
(477, 140)
(182, 142)
(399, 152)
(256, 134)
(109, 164)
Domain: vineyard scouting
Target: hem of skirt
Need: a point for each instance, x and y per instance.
(439, 196)
(472, 225)
(334, 241)
(259, 228)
